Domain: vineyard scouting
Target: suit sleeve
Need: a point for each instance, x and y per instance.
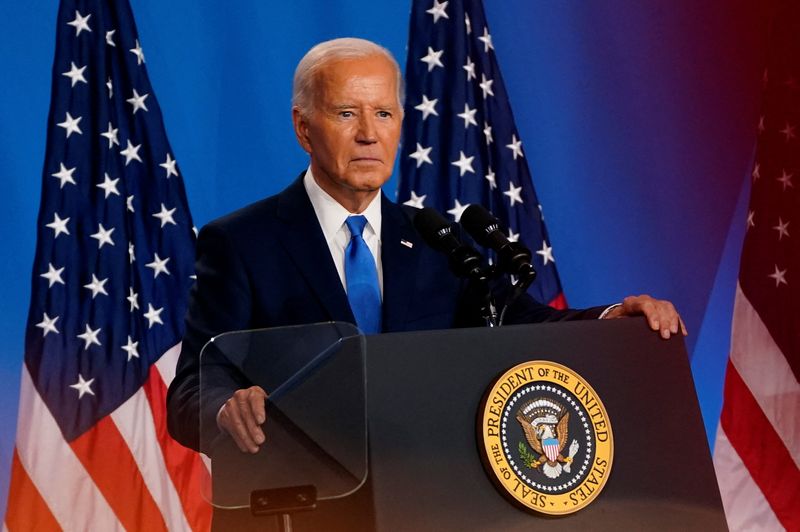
(220, 301)
(526, 309)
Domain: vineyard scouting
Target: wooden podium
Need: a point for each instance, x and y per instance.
(423, 394)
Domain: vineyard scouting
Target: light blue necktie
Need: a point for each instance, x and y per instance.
(361, 276)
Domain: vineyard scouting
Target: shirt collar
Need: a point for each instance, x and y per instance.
(332, 215)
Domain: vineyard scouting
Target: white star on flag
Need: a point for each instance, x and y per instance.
(131, 152)
(786, 180)
(75, 74)
(110, 38)
(53, 275)
(158, 265)
(782, 228)
(490, 177)
(514, 193)
(486, 39)
(547, 253)
(153, 316)
(470, 68)
(486, 86)
(131, 253)
(421, 155)
(103, 236)
(469, 116)
(90, 336)
(97, 286)
(438, 10)
(415, 201)
(64, 175)
(428, 107)
(108, 185)
(48, 324)
(129, 203)
(487, 132)
(133, 299)
(788, 132)
(80, 23)
(137, 101)
(169, 166)
(515, 147)
(512, 236)
(464, 163)
(131, 349)
(138, 53)
(165, 216)
(70, 125)
(756, 172)
(110, 87)
(58, 225)
(111, 135)
(433, 59)
(779, 276)
(83, 386)
(458, 210)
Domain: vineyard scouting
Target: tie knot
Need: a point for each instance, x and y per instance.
(356, 224)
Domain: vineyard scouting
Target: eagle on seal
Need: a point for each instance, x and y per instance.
(546, 427)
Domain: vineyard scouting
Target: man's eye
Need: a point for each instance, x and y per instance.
(346, 114)
(384, 114)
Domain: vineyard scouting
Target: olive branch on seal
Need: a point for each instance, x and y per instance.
(526, 456)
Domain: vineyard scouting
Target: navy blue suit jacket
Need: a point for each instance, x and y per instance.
(268, 265)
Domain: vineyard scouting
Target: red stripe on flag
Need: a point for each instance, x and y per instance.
(761, 449)
(108, 460)
(559, 302)
(184, 466)
(26, 509)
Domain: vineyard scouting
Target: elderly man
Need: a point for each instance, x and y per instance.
(293, 258)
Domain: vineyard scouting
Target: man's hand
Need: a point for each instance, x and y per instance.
(660, 314)
(241, 417)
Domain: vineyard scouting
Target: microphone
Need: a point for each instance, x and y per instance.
(464, 260)
(513, 257)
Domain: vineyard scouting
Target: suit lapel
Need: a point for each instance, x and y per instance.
(304, 241)
(400, 249)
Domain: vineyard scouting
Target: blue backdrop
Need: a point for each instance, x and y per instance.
(638, 121)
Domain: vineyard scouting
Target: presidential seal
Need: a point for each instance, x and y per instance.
(545, 438)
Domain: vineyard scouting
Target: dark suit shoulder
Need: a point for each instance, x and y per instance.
(256, 220)
(256, 213)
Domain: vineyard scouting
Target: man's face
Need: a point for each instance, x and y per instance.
(354, 129)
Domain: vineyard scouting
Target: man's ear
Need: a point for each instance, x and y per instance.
(301, 129)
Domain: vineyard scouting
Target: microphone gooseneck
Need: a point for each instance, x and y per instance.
(513, 258)
(463, 259)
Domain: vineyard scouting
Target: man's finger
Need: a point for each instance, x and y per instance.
(254, 415)
(234, 424)
(257, 398)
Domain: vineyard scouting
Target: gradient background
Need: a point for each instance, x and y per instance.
(638, 120)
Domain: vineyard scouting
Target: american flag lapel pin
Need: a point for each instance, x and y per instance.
(406, 243)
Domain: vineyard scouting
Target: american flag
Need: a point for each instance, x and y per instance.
(757, 453)
(460, 144)
(114, 261)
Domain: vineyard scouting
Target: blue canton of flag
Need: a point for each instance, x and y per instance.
(460, 143)
(115, 241)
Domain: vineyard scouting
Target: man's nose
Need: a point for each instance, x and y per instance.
(366, 129)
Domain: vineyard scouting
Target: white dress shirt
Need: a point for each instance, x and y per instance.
(332, 216)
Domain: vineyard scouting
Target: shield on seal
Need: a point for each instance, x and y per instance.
(550, 446)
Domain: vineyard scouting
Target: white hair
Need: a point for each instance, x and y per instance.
(335, 50)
